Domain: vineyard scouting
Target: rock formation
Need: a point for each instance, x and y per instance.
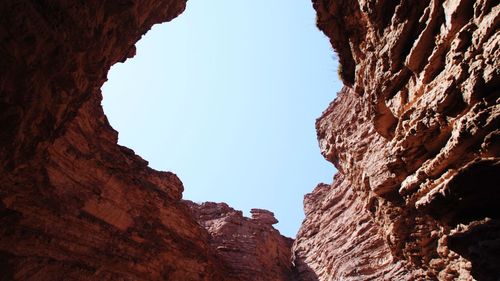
(74, 205)
(250, 248)
(415, 136)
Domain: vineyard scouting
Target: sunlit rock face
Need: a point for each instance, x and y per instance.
(74, 205)
(250, 248)
(415, 137)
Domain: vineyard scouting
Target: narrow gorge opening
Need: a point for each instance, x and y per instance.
(226, 96)
(235, 100)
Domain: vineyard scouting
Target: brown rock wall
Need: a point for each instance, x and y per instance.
(73, 204)
(414, 135)
(250, 248)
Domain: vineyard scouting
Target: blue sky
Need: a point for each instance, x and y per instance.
(226, 96)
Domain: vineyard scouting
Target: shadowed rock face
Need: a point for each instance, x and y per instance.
(415, 137)
(74, 205)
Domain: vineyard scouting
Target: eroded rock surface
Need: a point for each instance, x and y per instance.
(75, 205)
(415, 137)
(250, 248)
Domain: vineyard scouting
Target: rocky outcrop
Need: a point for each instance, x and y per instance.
(251, 249)
(74, 205)
(415, 137)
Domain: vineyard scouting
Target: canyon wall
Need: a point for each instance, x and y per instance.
(250, 248)
(74, 205)
(414, 134)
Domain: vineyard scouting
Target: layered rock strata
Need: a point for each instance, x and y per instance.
(250, 248)
(415, 136)
(74, 205)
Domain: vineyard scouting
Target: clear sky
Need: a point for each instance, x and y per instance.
(226, 96)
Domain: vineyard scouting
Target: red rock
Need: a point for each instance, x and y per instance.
(413, 136)
(263, 216)
(251, 249)
(75, 205)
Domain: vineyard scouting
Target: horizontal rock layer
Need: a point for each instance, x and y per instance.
(251, 249)
(415, 137)
(74, 205)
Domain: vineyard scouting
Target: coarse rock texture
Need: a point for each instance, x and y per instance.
(251, 249)
(74, 205)
(414, 134)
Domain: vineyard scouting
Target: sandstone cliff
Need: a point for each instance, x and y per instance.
(415, 137)
(250, 247)
(74, 205)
